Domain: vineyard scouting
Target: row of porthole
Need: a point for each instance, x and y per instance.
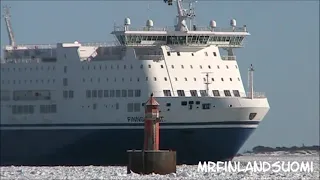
(149, 66)
(25, 69)
(155, 79)
(26, 81)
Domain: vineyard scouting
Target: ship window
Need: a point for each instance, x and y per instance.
(137, 93)
(149, 66)
(222, 79)
(238, 79)
(88, 94)
(94, 93)
(117, 105)
(230, 79)
(185, 79)
(172, 66)
(138, 79)
(176, 79)
(118, 93)
(65, 69)
(195, 79)
(161, 66)
(146, 78)
(111, 93)
(206, 106)
(193, 93)
(206, 53)
(218, 67)
(227, 66)
(65, 82)
(123, 79)
(130, 93)
(168, 104)
(100, 93)
(168, 53)
(191, 102)
(65, 94)
(141, 66)
(182, 66)
(124, 93)
(136, 107)
(197, 102)
(200, 67)
(227, 93)
(236, 93)
(181, 93)
(236, 66)
(106, 93)
(178, 53)
(124, 67)
(165, 79)
(214, 54)
(155, 79)
(215, 93)
(184, 103)
(70, 94)
(130, 107)
(192, 54)
(191, 66)
(167, 92)
(203, 93)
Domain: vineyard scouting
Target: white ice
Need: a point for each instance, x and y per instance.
(183, 171)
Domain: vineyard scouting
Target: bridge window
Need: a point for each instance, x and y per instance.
(216, 93)
(112, 93)
(227, 93)
(203, 93)
(106, 93)
(124, 93)
(193, 93)
(100, 93)
(167, 92)
(137, 93)
(236, 93)
(118, 93)
(184, 103)
(181, 93)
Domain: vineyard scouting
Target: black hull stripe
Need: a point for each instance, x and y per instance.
(132, 124)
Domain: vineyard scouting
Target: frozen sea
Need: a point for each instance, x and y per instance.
(183, 171)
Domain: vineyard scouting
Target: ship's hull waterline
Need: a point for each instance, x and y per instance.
(85, 145)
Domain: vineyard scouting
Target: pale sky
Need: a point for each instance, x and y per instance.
(283, 47)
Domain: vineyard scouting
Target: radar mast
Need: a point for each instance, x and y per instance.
(183, 14)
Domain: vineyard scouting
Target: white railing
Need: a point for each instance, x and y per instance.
(53, 46)
(22, 60)
(228, 58)
(256, 95)
(172, 28)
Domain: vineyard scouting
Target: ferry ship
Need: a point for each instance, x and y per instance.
(83, 103)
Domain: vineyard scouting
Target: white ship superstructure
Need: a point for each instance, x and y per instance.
(87, 99)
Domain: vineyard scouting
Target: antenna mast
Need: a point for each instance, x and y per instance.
(250, 79)
(207, 82)
(183, 14)
(8, 23)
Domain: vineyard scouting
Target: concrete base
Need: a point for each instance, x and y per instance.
(147, 162)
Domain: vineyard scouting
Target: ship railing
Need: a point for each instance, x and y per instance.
(172, 28)
(228, 58)
(256, 95)
(203, 93)
(22, 60)
(53, 46)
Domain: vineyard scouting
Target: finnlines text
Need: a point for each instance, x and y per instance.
(139, 119)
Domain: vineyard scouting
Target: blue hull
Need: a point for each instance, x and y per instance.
(109, 146)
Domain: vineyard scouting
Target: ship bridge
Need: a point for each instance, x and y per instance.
(198, 36)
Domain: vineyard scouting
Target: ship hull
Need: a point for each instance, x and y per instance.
(108, 146)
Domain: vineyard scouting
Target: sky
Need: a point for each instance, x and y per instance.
(283, 47)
